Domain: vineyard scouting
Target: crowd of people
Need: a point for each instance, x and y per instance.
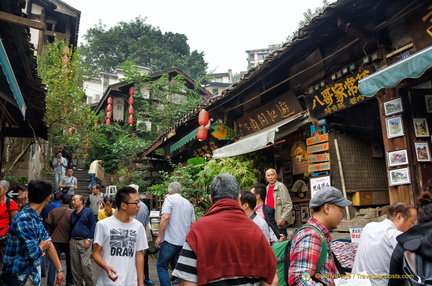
(214, 250)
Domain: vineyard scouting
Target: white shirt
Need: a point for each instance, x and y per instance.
(377, 242)
(120, 242)
(263, 226)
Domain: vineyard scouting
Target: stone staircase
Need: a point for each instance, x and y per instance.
(83, 182)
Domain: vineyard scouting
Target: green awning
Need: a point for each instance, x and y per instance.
(10, 76)
(412, 67)
(183, 141)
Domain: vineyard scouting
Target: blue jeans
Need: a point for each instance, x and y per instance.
(92, 179)
(168, 253)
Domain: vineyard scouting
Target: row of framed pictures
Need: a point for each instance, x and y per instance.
(395, 128)
(394, 106)
(400, 157)
(394, 124)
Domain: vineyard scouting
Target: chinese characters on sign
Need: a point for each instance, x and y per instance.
(281, 108)
(339, 95)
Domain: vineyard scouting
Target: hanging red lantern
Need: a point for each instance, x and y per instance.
(131, 110)
(109, 107)
(108, 115)
(108, 121)
(66, 50)
(202, 133)
(71, 131)
(130, 120)
(203, 117)
(131, 90)
(110, 100)
(131, 100)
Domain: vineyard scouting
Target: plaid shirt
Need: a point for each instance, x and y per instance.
(305, 252)
(22, 251)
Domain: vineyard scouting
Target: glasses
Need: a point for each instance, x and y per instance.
(134, 203)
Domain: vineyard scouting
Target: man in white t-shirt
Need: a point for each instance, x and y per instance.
(119, 242)
(92, 172)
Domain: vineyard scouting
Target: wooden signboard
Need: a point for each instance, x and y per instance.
(317, 139)
(319, 167)
(276, 110)
(336, 96)
(100, 172)
(317, 158)
(318, 148)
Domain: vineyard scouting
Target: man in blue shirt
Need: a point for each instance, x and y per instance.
(82, 230)
(28, 239)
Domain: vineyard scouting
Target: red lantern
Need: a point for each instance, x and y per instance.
(131, 100)
(108, 115)
(203, 117)
(110, 100)
(202, 133)
(71, 131)
(66, 50)
(130, 120)
(131, 110)
(131, 90)
(109, 107)
(108, 121)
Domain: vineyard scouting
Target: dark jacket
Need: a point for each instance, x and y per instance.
(269, 214)
(417, 239)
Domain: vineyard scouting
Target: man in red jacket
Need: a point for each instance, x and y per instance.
(216, 247)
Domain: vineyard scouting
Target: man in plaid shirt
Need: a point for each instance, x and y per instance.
(306, 246)
(28, 239)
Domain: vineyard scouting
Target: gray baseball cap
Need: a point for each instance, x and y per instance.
(329, 195)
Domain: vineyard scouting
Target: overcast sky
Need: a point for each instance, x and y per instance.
(222, 29)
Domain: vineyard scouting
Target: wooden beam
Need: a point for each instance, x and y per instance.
(21, 21)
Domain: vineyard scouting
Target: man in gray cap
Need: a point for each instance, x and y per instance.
(306, 267)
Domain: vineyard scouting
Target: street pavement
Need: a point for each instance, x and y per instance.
(96, 270)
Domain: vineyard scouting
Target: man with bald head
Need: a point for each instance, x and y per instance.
(278, 198)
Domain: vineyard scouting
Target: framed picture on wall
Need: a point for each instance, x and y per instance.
(422, 151)
(287, 167)
(376, 150)
(393, 106)
(399, 177)
(304, 212)
(428, 99)
(394, 126)
(421, 127)
(397, 158)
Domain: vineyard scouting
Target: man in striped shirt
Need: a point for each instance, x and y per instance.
(306, 246)
(218, 248)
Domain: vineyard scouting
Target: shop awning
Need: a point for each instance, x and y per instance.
(10, 76)
(254, 142)
(184, 140)
(412, 67)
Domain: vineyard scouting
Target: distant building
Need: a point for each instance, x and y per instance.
(219, 81)
(95, 87)
(256, 57)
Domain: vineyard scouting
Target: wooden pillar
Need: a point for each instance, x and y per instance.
(402, 192)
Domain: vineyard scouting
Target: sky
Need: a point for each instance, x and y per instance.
(223, 30)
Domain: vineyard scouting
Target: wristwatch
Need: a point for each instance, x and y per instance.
(60, 270)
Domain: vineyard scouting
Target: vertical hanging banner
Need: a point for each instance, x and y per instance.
(336, 96)
(118, 109)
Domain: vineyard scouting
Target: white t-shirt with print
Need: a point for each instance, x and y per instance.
(120, 242)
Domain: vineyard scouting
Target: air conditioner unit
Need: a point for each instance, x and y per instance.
(144, 125)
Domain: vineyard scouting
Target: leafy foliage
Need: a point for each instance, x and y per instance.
(308, 15)
(63, 76)
(196, 179)
(143, 44)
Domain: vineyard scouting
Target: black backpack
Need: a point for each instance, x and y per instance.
(417, 269)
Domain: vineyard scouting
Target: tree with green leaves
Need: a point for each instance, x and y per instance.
(68, 118)
(308, 15)
(139, 42)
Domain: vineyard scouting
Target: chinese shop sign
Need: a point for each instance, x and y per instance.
(278, 109)
(337, 96)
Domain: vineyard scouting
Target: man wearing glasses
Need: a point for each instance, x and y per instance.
(119, 242)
